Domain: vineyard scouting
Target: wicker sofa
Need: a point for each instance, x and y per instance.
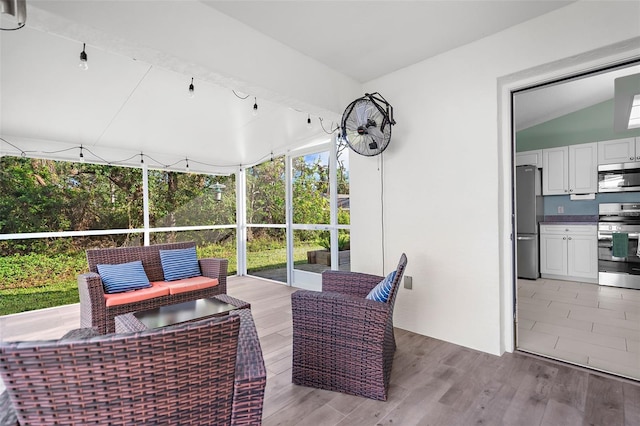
(182, 374)
(94, 309)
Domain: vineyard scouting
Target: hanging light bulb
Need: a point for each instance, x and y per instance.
(255, 107)
(309, 125)
(191, 89)
(83, 65)
(81, 155)
(17, 10)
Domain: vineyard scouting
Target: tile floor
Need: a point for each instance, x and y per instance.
(581, 323)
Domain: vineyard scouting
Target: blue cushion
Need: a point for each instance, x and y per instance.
(380, 292)
(179, 264)
(123, 277)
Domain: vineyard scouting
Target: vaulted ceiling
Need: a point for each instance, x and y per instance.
(296, 59)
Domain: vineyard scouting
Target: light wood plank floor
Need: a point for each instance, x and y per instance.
(433, 382)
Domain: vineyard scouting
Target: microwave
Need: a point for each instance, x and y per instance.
(623, 177)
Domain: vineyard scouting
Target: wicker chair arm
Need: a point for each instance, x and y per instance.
(81, 333)
(215, 268)
(93, 311)
(345, 316)
(212, 267)
(8, 415)
(352, 283)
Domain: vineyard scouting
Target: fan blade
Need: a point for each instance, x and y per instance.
(365, 110)
(361, 112)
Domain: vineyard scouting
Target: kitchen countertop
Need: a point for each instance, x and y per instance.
(570, 220)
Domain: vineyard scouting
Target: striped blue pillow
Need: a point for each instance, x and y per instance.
(179, 264)
(123, 277)
(380, 292)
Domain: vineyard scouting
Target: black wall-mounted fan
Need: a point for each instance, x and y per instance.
(366, 124)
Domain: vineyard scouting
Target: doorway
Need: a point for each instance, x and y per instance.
(569, 319)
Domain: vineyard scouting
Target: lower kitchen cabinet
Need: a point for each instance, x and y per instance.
(569, 252)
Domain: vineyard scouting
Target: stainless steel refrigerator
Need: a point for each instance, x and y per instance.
(529, 212)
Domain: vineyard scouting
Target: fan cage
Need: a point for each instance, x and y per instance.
(361, 142)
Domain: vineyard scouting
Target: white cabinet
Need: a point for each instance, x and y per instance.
(555, 171)
(583, 168)
(529, 158)
(619, 151)
(569, 252)
(570, 169)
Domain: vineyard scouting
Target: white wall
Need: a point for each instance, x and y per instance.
(445, 202)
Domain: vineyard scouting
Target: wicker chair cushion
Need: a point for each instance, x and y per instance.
(179, 264)
(380, 293)
(123, 277)
(187, 284)
(135, 296)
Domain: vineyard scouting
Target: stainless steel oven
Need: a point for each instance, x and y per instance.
(618, 252)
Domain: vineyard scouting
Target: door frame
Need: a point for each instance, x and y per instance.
(584, 63)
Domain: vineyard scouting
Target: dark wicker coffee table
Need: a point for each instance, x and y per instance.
(250, 375)
(164, 316)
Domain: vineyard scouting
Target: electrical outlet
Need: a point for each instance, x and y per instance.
(408, 282)
(560, 209)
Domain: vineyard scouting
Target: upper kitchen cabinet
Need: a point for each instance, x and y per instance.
(583, 168)
(555, 171)
(529, 158)
(619, 151)
(570, 169)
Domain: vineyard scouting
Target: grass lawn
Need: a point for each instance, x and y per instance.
(37, 281)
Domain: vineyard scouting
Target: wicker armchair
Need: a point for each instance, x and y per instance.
(93, 309)
(176, 375)
(342, 341)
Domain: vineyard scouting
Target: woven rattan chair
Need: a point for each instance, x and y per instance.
(342, 341)
(172, 376)
(93, 309)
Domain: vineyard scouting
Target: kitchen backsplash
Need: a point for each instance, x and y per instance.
(562, 205)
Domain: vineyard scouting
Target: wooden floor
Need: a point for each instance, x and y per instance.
(432, 383)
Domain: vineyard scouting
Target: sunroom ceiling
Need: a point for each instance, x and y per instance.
(299, 59)
(121, 107)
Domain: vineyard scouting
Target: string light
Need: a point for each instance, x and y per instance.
(191, 89)
(18, 10)
(83, 65)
